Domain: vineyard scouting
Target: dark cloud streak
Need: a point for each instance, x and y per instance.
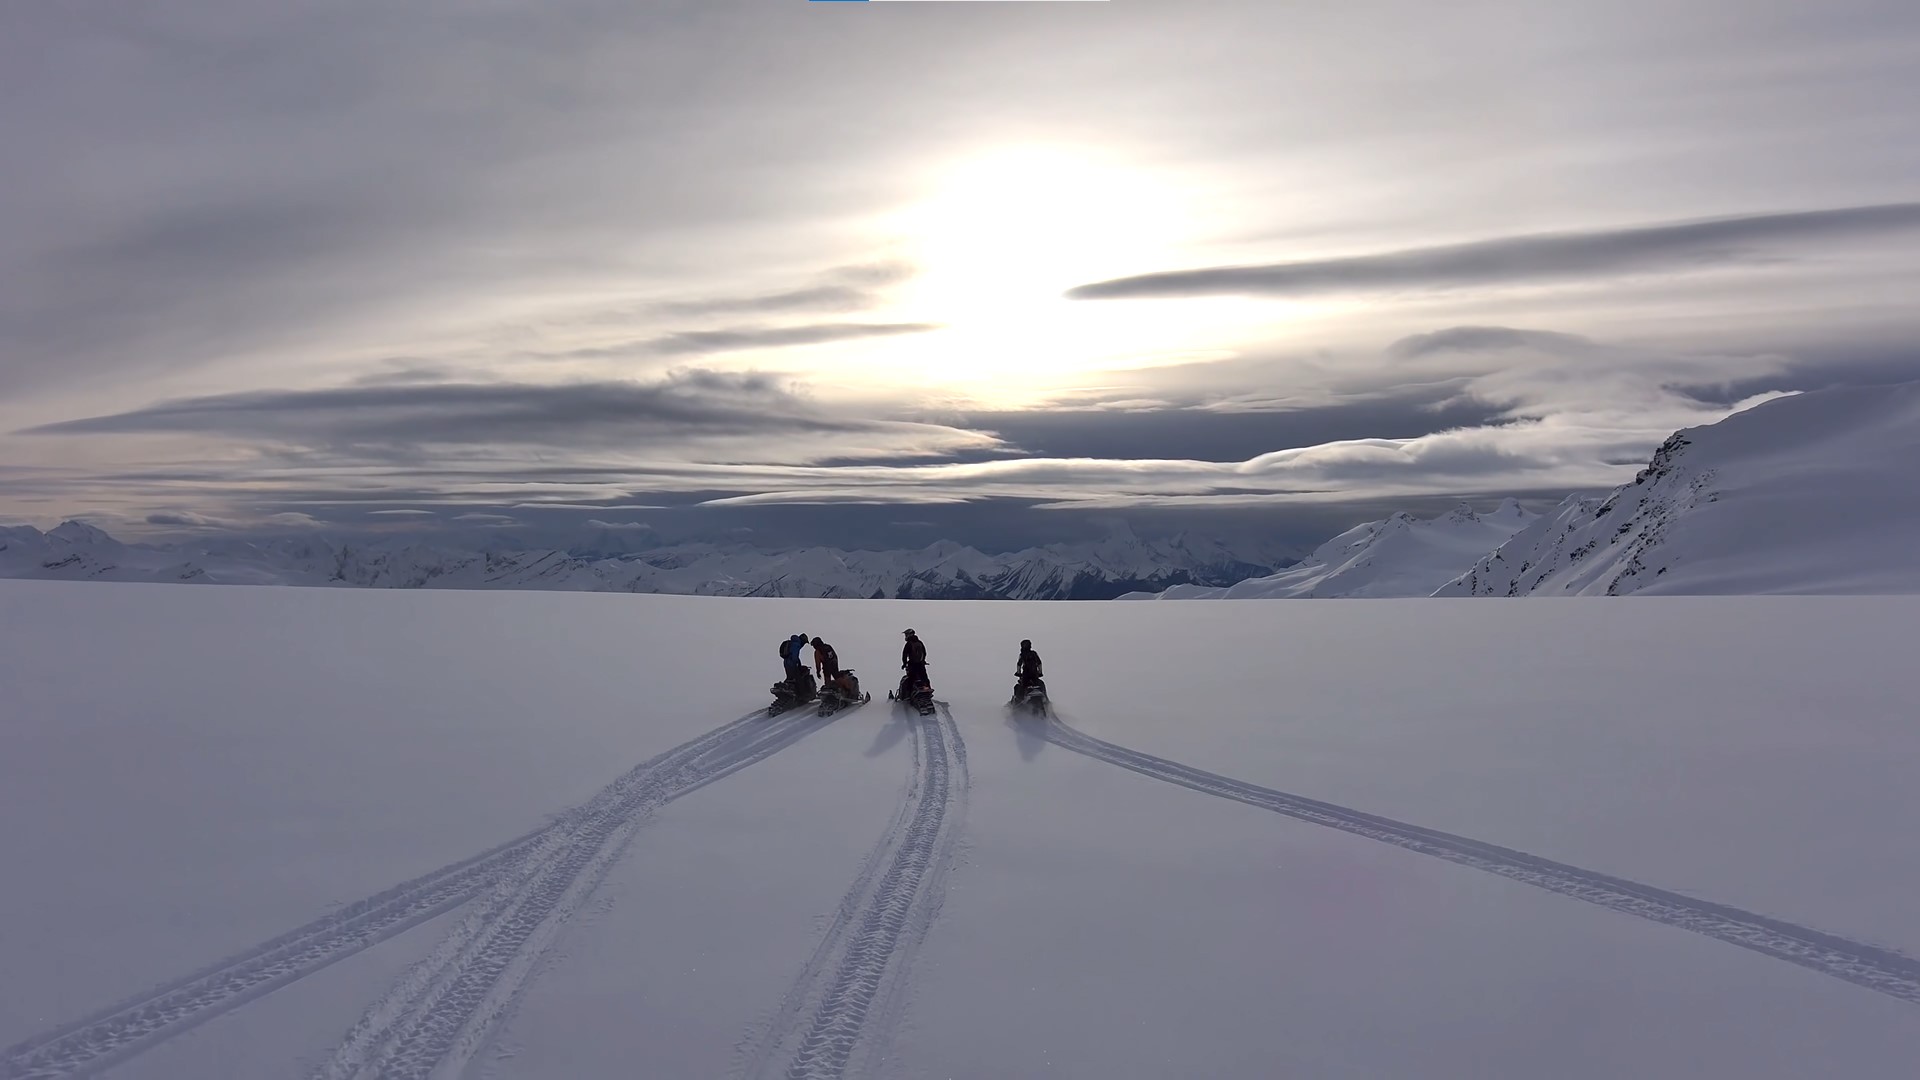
(696, 342)
(846, 288)
(569, 414)
(1520, 259)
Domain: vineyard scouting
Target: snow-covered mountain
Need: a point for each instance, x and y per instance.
(945, 570)
(1400, 556)
(1813, 493)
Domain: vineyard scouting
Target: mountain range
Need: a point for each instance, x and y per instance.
(1103, 569)
(1803, 493)
(1811, 493)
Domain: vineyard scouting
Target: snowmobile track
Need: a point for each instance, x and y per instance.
(835, 1019)
(1870, 966)
(443, 1011)
(144, 1021)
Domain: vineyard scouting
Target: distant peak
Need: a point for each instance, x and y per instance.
(79, 532)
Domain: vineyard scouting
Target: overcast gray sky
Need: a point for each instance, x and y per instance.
(770, 265)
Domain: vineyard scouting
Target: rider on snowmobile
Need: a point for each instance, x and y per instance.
(1028, 666)
(913, 657)
(1026, 669)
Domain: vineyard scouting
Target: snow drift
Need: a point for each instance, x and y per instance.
(1811, 493)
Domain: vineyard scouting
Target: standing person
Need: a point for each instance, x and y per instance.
(826, 662)
(796, 668)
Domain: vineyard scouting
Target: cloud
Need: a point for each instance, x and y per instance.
(1519, 260)
(296, 520)
(186, 519)
(875, 496)
(598, 508)
(633, 526)
(846, 288)
(189, 520)
(740, 339)
(401, 513)
(816, 298)
(674, 415)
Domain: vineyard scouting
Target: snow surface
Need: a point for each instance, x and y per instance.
(1398, 557)
(1102, 569)
(1810, 493)
(186, 773)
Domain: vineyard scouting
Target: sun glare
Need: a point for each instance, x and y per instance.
(1000, 239)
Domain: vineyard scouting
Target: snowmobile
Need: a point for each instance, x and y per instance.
(792, 693)
(841, 692)
(1030, 695)
(915, 692)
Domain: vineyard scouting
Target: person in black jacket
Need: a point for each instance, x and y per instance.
(1026, 669)
(913, 657)
(826, 662)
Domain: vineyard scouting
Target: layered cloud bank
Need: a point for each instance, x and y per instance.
(1503, 410)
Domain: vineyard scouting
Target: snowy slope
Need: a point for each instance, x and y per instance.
(945, 570)
(1400, 556)
(1131, 891)
(1813, 493)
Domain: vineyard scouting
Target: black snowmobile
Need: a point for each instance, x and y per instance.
(916, 691)
(1030, 694)
(841, 692)
(792, 693)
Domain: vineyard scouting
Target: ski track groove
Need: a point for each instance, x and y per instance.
(826, 1021)
(142, 1022)
(1870, 966)
(443, 1011)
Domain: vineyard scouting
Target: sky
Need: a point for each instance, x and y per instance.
(999, 273)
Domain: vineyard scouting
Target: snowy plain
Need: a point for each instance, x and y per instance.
(187, 773)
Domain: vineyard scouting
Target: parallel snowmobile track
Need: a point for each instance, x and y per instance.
(443, 1011)
(837, 1015)
(1870, 966)
(140, 1023)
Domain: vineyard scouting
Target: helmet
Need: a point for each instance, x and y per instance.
(1025, 645)
(817, 641)
(908, 632)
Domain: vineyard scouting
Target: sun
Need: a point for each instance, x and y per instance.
(1013, 226)
(999, 239)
